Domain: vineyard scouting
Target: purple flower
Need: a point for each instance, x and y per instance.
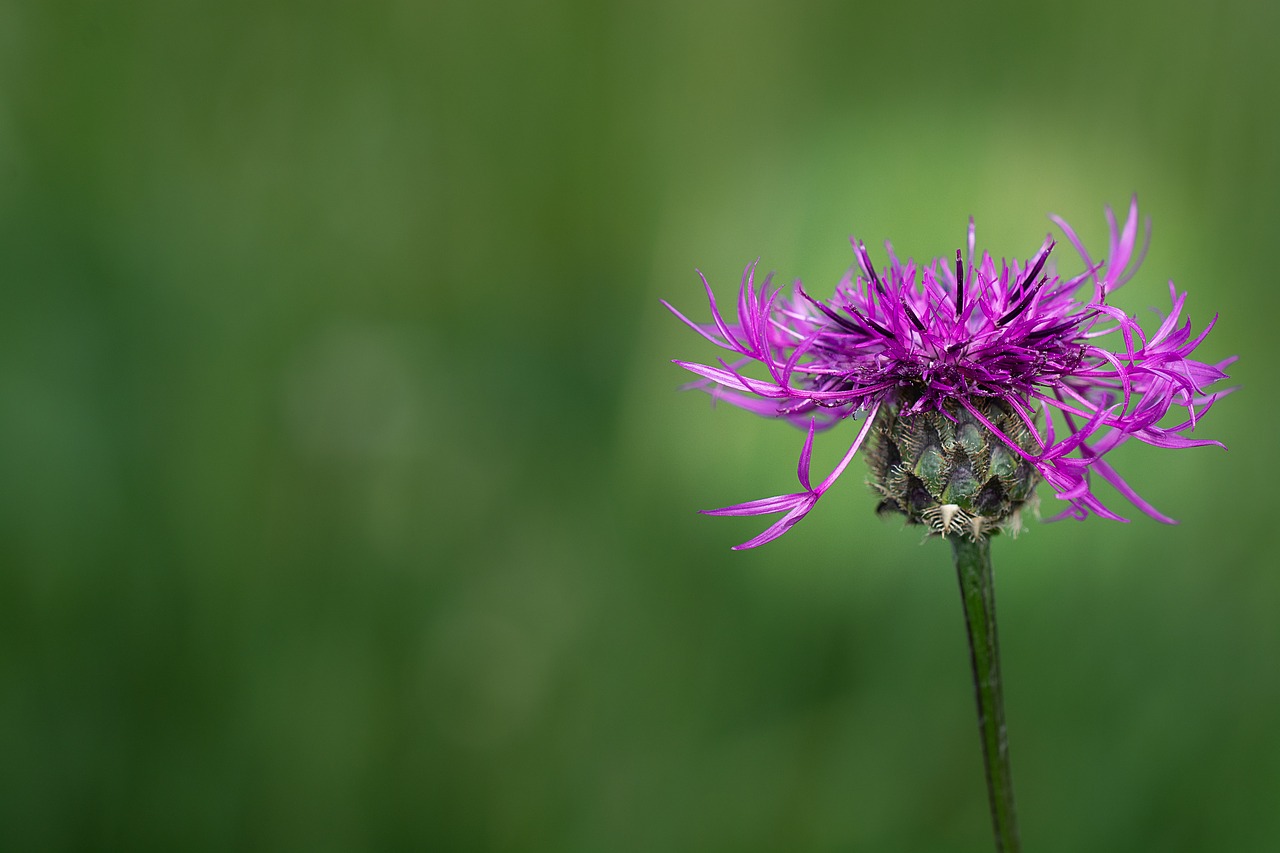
(944, 340)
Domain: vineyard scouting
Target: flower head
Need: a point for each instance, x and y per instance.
(971, 344)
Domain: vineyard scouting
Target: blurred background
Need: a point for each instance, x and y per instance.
(349, 502)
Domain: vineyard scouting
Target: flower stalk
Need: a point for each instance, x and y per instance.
(978, 594)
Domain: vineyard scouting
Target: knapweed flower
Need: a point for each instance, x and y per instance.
(976, 380)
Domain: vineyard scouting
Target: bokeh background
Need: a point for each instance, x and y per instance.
(349, 503)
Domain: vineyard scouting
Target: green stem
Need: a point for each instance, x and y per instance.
(978, 593)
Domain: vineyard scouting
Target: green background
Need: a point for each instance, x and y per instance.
(349, 501)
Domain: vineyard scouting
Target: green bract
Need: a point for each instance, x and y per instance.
(947, 470)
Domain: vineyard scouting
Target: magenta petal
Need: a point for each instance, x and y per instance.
(1109, 474)
(778, 528)
(802, 469)
(763, 506)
